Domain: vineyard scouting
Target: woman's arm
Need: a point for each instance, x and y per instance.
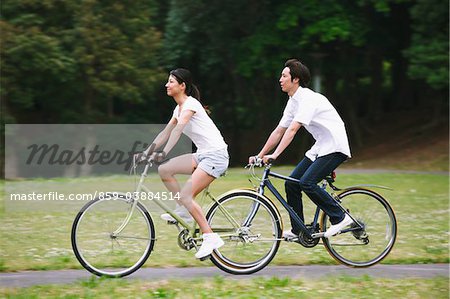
(162, 137)
(177, 130)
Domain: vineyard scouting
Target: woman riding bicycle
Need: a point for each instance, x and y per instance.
(314, 112)
(208, 163)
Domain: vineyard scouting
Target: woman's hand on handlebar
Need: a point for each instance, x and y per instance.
(140, 157)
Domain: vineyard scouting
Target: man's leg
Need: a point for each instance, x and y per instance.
(318, 170)
(293, 192)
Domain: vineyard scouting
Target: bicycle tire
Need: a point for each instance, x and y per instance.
(104, 255)
(377, 217)
(247, 249)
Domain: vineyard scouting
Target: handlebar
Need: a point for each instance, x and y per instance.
(329, 179)
(259, 163)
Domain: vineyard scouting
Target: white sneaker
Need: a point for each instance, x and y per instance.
(180, 211)
(211, 241)
(288, 234)
(336, 228)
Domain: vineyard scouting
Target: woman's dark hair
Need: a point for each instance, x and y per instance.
(185, 76)
(298, 70)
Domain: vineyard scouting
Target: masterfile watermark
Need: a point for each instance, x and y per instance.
(54, 154)
(60, 166)
(75, 150)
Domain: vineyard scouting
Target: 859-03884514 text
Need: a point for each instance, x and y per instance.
(58, 196)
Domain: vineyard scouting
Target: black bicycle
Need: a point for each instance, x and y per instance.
(251, 226)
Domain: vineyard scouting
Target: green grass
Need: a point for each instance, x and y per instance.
(218, 287)
(36, 235)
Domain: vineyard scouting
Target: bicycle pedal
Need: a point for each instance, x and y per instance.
(293, 239)
(205, 258)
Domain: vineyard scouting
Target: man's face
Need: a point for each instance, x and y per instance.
(287, 85)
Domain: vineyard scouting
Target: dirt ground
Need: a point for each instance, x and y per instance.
(405, 142)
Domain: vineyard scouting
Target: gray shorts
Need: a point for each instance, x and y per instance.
(214, 163)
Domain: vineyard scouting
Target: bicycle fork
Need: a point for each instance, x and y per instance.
(133, 206)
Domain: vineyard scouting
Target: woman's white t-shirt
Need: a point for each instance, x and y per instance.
(200, 128)
(320, 119)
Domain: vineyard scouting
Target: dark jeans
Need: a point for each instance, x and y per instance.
(310, 174)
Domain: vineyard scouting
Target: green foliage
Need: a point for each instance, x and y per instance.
(332, 286)
(429, 51)
(85, 57)
(31, 60)
(106, 61)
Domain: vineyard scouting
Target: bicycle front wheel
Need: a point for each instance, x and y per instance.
(99, 249)
(250, 226)
(372, 243)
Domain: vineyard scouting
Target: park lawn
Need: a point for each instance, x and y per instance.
(36, 235)
(219, 287)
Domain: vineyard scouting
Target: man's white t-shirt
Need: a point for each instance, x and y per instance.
(200, 129)
(320, 119)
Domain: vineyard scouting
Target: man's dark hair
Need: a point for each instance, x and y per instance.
(298, 70)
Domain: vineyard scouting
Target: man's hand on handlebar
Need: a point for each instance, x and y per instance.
(259, 162)
(267, 159)
(255, 160)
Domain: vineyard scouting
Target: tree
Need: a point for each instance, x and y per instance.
(74, 61)
(429, 53)
(33, 64)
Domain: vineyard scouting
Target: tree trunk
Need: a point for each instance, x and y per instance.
(374, 99)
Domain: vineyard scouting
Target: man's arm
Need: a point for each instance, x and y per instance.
(288, 136)
(272, 141)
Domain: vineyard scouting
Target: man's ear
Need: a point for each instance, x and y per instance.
(296, 80)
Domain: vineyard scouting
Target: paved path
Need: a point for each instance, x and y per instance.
(374, 171)
(29, 278)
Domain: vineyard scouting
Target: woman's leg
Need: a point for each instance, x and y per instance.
(198, 181)
(184, 164)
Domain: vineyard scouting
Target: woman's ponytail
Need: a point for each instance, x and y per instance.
(194, 92)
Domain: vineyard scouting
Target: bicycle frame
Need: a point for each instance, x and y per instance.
(265, 182)
(141, 187)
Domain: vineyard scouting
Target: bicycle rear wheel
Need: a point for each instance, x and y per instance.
(250, 226)
(371, 244)
(98, 250)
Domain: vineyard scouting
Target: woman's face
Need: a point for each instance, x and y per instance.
(174, 88)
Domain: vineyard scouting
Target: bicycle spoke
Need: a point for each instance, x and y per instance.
(132, 237)
(104, 254)
(377, 235)
(247, 248)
